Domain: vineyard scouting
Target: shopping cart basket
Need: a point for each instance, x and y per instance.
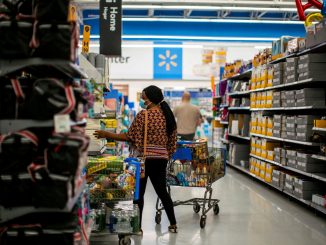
(194, 165)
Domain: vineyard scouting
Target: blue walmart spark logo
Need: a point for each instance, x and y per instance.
(167, 63)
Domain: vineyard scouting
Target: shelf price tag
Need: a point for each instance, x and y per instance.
(86, 38)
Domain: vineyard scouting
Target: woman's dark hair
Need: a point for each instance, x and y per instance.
(155, 95)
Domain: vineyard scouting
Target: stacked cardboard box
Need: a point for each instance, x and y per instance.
(312, 66)
(278, 73)
(291, 70)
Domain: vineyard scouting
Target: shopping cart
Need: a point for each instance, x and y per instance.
(113, 184)
(194, 165)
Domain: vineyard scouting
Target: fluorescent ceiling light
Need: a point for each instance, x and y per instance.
(192, 38)
(151, 45)
(199, 38)
(212, 20)
(215, 8)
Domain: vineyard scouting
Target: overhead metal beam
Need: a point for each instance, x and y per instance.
(261, 14)
(150, 13)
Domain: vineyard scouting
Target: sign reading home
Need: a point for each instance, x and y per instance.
(110, 27)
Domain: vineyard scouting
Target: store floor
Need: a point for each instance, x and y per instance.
(250, 214)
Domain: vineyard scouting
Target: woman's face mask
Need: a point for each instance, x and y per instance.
(142, 104)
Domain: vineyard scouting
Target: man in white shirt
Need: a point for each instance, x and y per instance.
(188, 118)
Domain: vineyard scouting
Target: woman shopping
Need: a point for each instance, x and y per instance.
(157, 122)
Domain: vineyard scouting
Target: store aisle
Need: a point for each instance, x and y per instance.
(249, 214)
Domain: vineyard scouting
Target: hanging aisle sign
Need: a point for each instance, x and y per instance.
(110, 27)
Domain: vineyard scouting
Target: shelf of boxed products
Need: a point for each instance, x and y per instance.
(7, 214)
(283, 58)
(309, 203)
(252, 175)
(11, 125)
(240, 137)
(318, 48)
(288, 85)
(240, 108)
(242, 76)
(318, 176)
(239, 93)
(319, 157)
(46, 67)
(290, 108)
(319, 129)
(285, 140)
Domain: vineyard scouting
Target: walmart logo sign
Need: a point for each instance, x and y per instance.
(167, 63)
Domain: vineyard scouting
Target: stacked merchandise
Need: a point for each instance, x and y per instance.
(43, 147)
(113, 182)
(194, 166)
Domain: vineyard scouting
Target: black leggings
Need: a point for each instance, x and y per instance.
(155, 169)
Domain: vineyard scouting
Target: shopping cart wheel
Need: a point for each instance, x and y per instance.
(196, 207)
(202, 222)
(216, 209)
(158, 217)
(124, 240)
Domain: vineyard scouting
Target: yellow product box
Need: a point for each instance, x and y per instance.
(262, 165)
(268, 177)
(269, 132)
(267, 145)
(270, 122)
(257, 171)
(320, 123)
(253, 150)
(253, 129)
(264, 122)
(269, 83)
(263, 130)
(258, 96)
(258, 130)
(252, 169)
(254, 121)
(257, 163)
(258, 152)
(252, 104)
(262, 174)
(269, 104)
(270, 73)
(253, 142)
(263, 154)
(253, 85)
(258, 84)
(269, 95)
(270, 168)
(270, 155)
(258, 143)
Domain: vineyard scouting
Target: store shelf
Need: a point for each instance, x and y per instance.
(319, 129)
(282, 58)
(319, 176)
(244, 108)
(319, 157)
(7, 214)
(308, 203)
(290, 108)
(90, 70)
(288, 85)
(11, 125)
(236, 94)
(318, 48)
(42, 67)
(239, 137)
(242, 76)
(286, 140)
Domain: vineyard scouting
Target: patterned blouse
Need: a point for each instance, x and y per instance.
(159, 144)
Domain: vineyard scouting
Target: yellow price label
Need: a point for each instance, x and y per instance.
(72, 17)
(86, 38)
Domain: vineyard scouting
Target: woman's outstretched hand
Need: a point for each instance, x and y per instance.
(100, 134)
